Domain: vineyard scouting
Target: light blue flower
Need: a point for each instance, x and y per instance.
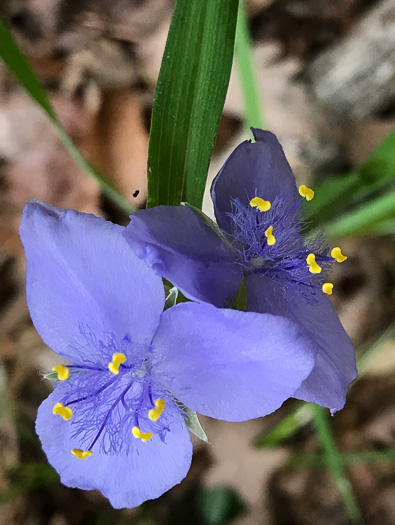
(258, 244)
(115, 421)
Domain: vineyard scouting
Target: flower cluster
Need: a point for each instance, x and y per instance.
(117, 419)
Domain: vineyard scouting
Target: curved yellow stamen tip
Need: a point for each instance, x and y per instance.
(81, 454)
(65, 412)
(117, 359)
(313, 266)
(327, 288)
(155, 413)
(306, 192)
(270, 237)
(144, 436)
(336, 253)
(259, 203)
(62, 371)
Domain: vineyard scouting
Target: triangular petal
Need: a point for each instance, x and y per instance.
(253, 169)
(147, 472)
(335, 367)
(228, 364)
(83, 278)
(181, 247)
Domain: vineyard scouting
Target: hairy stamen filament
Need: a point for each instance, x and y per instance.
(102, 427)
(86, 367)
(106, 385)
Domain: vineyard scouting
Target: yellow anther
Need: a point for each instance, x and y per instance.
(117, 359)
(81, 454)
(259, 203)
(155, 413)
(65, 412)
(313, 266)
(336, 253)
(62, 371)
(144, 436)
(270, 237)
(327, 288)
(306, 192)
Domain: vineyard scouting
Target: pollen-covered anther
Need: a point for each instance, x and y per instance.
(270, 237)
(155, 413)
(261, 204)
(306, 192)
(336, 253)
(144, 436)
(327, 288)
(65, 412)
(81, 454)
(313, 266)
(117, 360)
(62, 371)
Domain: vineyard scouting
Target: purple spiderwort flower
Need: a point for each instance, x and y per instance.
(258, 242)
(115, 421)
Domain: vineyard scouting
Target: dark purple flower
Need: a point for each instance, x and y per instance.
(115, 421)
(258, 242)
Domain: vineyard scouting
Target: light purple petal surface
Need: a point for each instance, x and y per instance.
(149, 471)
(335, 367)
(181, 247)
(83, 277)
(228, 364)
(253, 169)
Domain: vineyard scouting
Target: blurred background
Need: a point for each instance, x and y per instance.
(326, 78)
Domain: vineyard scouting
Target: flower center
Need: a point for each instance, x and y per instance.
(267, 238)
(113, 406)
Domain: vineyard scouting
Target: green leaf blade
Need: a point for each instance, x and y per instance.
(189, 99)
(334, 462)
(367, 186)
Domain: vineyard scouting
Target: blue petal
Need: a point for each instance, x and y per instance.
(152, 469)
(253, 169)
(82, 277)
(335, 367)
(228, 364)
(181, 247)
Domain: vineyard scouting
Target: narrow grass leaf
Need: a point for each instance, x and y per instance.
(365, 457)
(380, 211)
(244, 60)
(334, 462)
(344, 194)
(286, 428)
(189, 99)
